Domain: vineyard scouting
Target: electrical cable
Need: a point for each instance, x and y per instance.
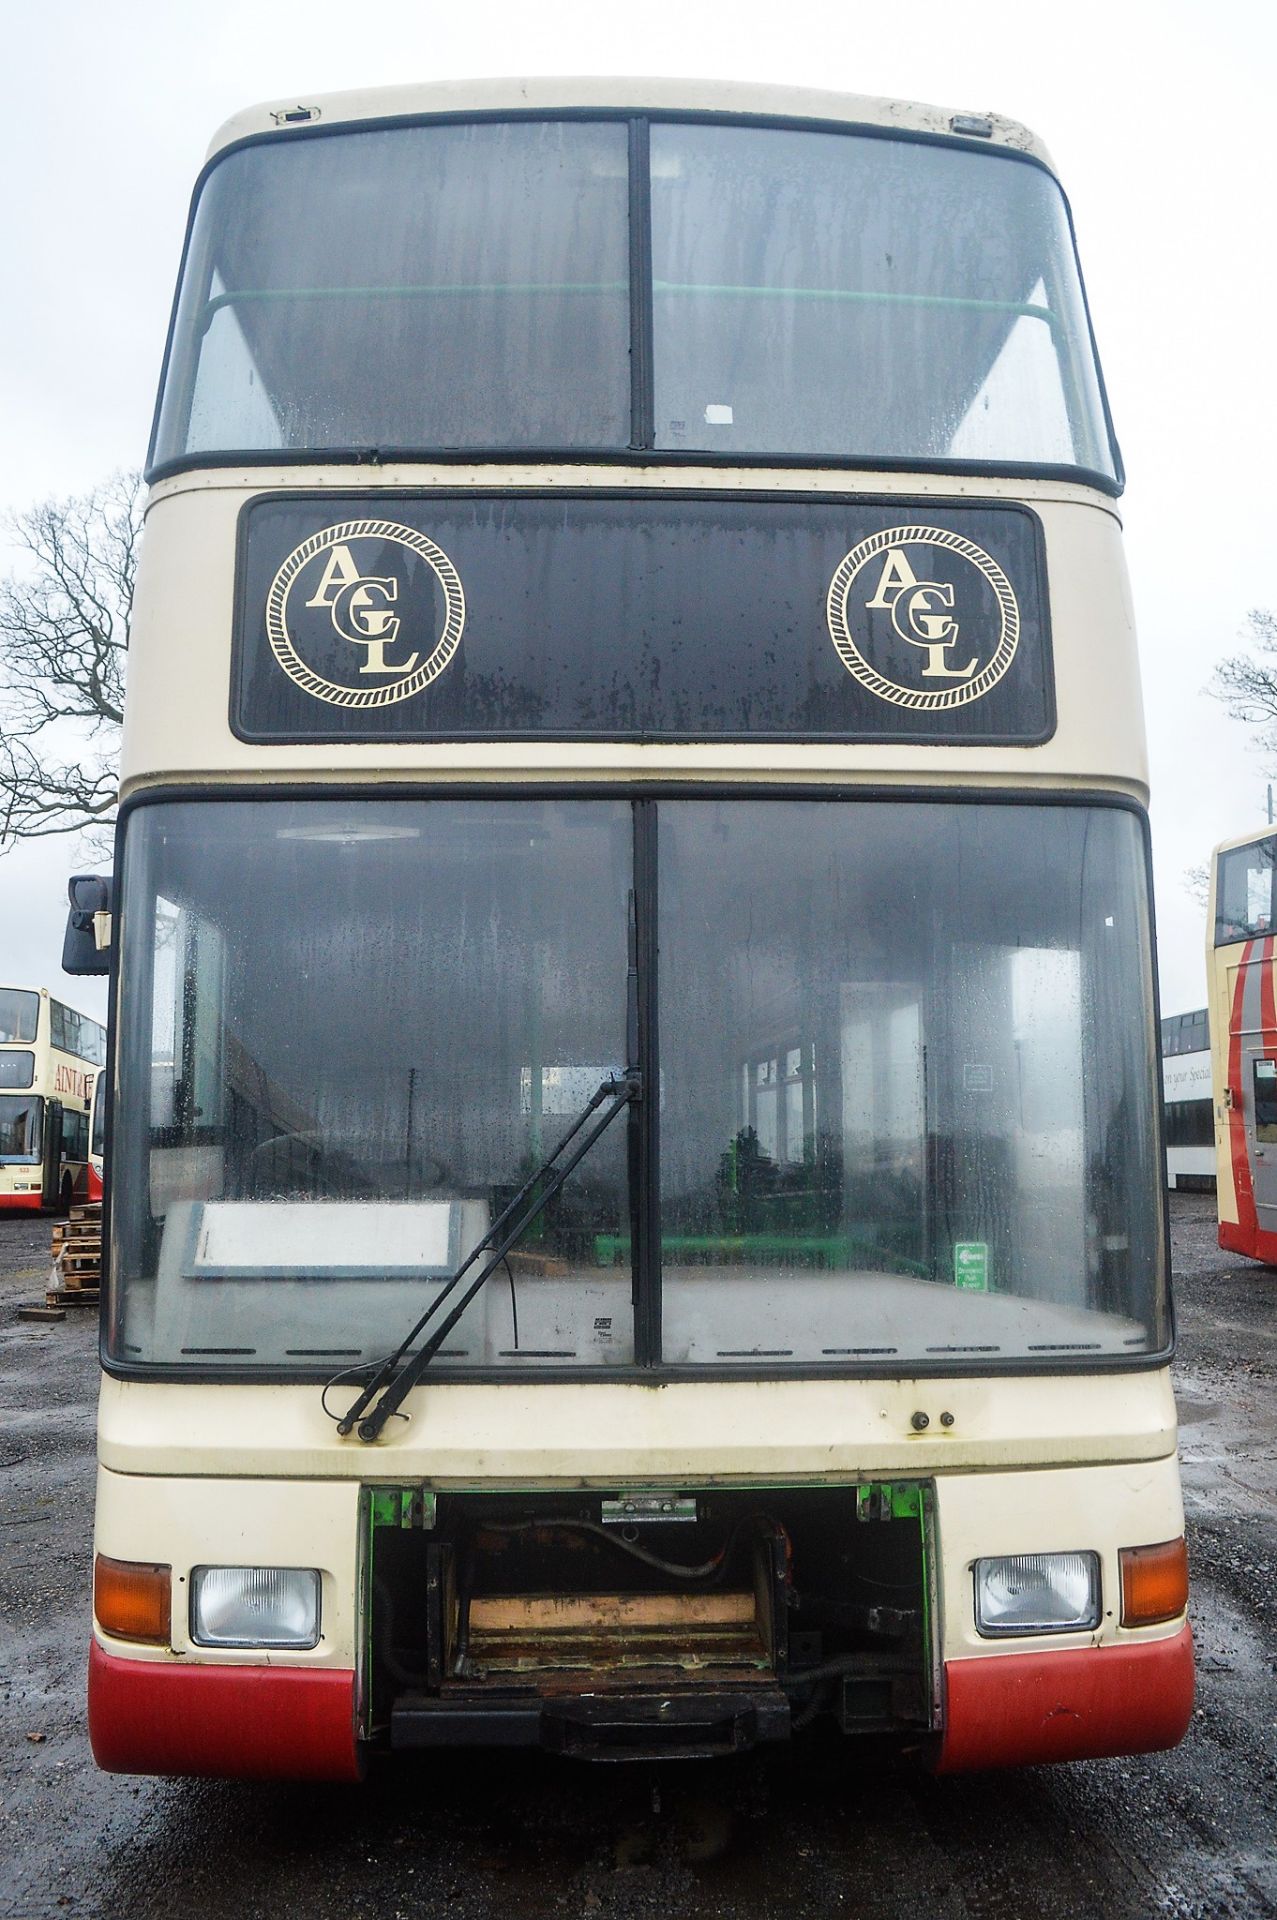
(674, 1568)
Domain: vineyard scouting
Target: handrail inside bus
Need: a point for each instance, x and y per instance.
(1020, 309)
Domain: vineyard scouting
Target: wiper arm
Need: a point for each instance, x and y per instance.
(397, 1375)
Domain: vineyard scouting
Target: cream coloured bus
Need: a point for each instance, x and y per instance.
(633, 1185)
(48, 1053)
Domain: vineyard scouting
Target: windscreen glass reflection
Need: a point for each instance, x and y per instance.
(845, 295)
(446, 286)
(908, 1106)
(359, 1029)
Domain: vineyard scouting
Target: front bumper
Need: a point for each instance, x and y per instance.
(1024, 1709)
(292, 1723)
(263, 1723)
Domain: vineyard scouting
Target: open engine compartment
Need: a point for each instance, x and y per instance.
(628, 1624)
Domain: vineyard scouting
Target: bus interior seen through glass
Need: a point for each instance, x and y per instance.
(904, 1106)
(325, 276)
(813, 293)
(787, 262)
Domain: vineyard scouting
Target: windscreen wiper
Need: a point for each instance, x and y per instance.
(398, 1374)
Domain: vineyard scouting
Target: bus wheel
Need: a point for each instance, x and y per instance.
(66, 1195)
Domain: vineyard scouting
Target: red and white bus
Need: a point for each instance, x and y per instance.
(1241, 958)
(48, 1056)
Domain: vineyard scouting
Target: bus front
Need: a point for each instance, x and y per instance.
(22, 1098)
(46, 1051)
(634, 1182)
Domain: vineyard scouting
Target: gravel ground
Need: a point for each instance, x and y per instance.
(798, 1831)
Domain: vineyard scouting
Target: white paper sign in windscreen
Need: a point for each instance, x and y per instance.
(234, 1240)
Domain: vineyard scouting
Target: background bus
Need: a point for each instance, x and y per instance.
(48, 1053)
(1243, 1020)
(97, 1137)
(644, 553)
(1189, 1106)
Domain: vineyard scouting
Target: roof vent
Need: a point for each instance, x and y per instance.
(977, 126)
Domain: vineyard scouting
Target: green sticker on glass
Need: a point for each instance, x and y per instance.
(971, 1265)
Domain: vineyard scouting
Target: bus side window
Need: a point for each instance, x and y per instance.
(1244, 896)
(1266, 1102)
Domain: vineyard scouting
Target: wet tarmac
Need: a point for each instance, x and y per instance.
(803, 1830)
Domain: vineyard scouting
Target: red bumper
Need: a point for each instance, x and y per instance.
(1022, 1709)
(264, 1723)
(23, 1202)
(1253, 1242)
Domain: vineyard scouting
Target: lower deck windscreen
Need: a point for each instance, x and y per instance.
(899, 1083)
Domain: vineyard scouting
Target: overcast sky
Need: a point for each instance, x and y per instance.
(1159, 119)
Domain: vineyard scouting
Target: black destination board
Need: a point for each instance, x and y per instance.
(639, 616)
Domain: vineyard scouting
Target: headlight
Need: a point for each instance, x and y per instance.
(255, 1606)
(1038, 1593)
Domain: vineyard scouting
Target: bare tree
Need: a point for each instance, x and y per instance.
(64, 639)
(1247, 682)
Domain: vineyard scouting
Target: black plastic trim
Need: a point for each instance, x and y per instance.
(374, 458)
(890, 502)
(642, 315)
(646, 1199)
(662, 1374)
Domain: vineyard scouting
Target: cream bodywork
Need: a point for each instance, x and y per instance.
(256, 1476)
(248, 1474)
(704, 98)
(234, 1474)
(176, 724)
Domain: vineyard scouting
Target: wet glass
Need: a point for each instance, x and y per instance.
(908, 1086)
(839, 294)
(19, 1015)
(907, 1083)
(463, 285)
(355, 1029)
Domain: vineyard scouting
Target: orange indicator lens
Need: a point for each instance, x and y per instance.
(1154, 1583)
(131, 1599)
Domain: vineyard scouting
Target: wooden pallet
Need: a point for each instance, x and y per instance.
(72, 1297)
(77, 1258)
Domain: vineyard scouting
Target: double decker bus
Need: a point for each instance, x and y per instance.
(1188, 1101)
(633, 1192)
(1243, 1020)
(48, 1053)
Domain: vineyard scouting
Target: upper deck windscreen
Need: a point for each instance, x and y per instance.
(19, 1016)
(582, 286)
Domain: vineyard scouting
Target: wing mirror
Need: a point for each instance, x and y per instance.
(86, 946)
